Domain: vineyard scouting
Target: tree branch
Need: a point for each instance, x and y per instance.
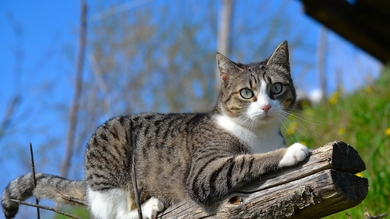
(44, 207)
(137, 193)
(34, 179)
(75, 200)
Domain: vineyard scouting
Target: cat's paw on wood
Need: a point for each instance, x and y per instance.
(151, 207)
(294, 154)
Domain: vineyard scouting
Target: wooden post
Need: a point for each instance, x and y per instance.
(325, 183)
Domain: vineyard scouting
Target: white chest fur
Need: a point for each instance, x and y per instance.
(262, 140)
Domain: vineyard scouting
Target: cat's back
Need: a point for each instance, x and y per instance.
(187, 131)
(165, 145)
(171, 137)
(163, 126)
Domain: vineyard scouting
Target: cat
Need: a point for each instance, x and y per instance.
(183, 156)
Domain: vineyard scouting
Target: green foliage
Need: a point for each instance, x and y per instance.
(79, 212)
(361, 119)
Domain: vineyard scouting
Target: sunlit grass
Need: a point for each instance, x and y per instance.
(361, 119)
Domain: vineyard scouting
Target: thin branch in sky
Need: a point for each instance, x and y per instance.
(19, 52)
(76, 201)
(9, 115)
(100, 83)
(118, 9)
(78, 87)
(44, 207)
(16, 98)
(34, 179)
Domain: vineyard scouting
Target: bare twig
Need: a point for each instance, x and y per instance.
(75, 200)
(9, 115)
(44, 207)
(34, 179)
(77, 93)
(136, 191)
(134, 180)
(368, 215)
(118, 9)
(378, 216)
(107, 103)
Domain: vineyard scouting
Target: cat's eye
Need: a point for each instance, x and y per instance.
(276, 88)
(246, 93)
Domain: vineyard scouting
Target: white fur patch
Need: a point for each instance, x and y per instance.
(255, 110)
(263, 87)
(109, 204)
(295, 153)
(259, 141)
(114, 204)
(151, 207)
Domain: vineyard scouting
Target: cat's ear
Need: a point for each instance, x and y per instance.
(227, 68)
(280, 56)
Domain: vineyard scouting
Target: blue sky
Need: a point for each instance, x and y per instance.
(45, 34)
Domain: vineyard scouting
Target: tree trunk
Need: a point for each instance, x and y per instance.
(77, 93)
(322, 50)
(223, 37)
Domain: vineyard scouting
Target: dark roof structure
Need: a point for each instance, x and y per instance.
(366, 23)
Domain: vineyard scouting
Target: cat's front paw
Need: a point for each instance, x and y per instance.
(294, 154)
(151, 207)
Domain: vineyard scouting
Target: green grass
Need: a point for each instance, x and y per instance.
(79, 212)
(361, 119)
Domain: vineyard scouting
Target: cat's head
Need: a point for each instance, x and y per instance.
(258, 93)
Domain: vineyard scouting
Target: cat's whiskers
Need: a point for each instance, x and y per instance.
(281, 120)
(246, 122)
(300, 120)
(250, 122)
(306, 119)
(308, 130)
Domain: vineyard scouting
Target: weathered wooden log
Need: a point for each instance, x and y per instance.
(325, 183)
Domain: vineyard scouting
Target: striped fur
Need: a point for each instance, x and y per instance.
(48, 186)
(198, 156)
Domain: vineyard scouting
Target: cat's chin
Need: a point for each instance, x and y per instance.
(264, 121)
(267, 119)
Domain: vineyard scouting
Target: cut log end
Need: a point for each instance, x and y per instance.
(346, 158)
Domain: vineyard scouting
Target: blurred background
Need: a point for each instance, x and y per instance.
(68, 66)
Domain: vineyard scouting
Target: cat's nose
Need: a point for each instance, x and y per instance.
(266, 108)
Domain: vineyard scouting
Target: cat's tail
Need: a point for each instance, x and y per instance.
(48, 187)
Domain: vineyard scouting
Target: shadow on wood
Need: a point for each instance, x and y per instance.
(325, 183)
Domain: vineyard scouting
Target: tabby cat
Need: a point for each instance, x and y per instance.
(177, 157)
